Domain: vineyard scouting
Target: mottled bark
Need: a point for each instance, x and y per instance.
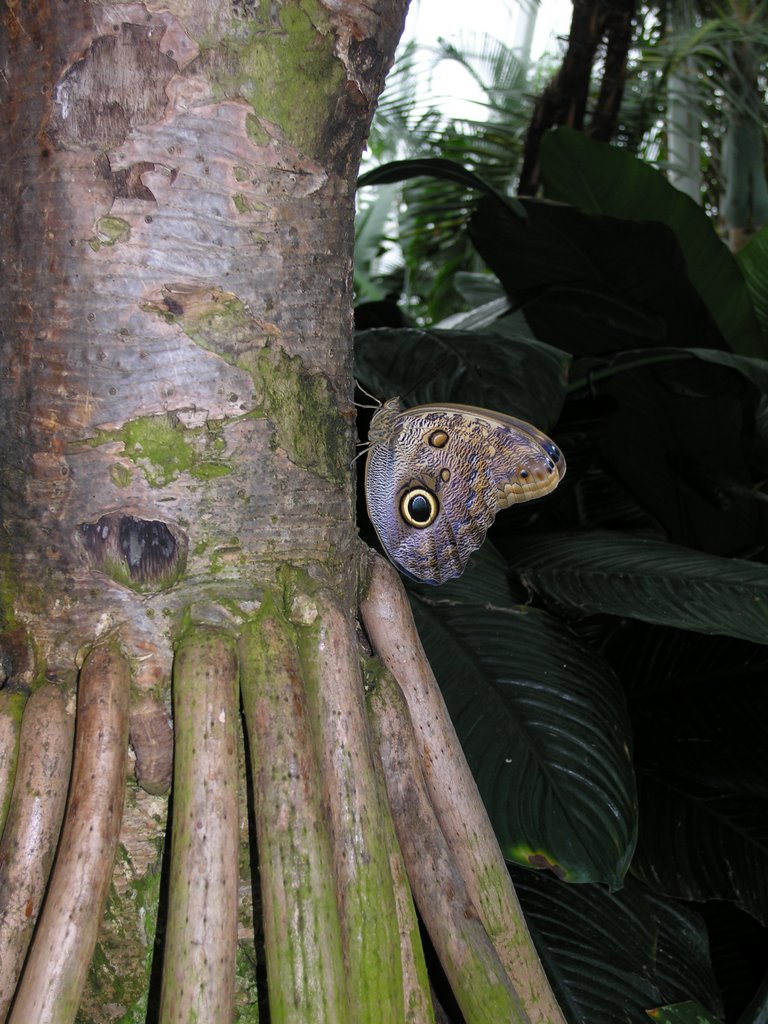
(201, 936)
(176, 245)
(356, 809)
(302, 927)
(176, 224)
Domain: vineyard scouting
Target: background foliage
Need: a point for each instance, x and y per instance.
(603, 657)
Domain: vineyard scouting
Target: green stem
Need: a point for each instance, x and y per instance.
(358, 813)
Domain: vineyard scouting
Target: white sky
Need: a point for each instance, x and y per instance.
(429, 20)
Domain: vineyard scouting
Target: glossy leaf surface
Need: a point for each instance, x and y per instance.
(613, 956)
(543, 725)
(648, 579)
(608, 180)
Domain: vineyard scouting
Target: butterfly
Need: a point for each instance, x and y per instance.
(436, 475)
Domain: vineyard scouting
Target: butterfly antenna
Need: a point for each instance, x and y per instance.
(368, 394)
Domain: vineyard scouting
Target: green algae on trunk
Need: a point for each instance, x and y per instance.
(303, 939)
(355, 804)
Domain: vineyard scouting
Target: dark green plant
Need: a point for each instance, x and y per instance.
(603, 657)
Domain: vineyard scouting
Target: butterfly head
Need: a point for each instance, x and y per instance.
(383, 420)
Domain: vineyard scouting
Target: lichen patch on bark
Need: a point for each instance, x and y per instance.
(301, 404)
(285, 68)
(215, 319)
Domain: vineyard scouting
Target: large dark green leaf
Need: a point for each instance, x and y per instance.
(612, 957)
(648, 579)
(663, 668)
(593, 283)
(678, 436)
(700, 725)
(683, 966)
(711, 726)
(753, 369)
(757, 1011)
(542, 722)
(605, 179)
(699, 841)
(701, 750)
(512, 374)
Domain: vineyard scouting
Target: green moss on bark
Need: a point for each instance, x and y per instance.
(224, 327)
(119, 975)
(110, 231)
(163, 448)
(158, 447)
(120, 475)
(286, 70)
(299, 403)
(304, 411)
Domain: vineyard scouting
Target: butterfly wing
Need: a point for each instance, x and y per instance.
(436, 477)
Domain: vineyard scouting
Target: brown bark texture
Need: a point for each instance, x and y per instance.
(176, 218)
(201, 934)
(176, 306)
(302, 928)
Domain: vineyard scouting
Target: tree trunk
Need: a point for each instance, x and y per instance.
(564, 100)
(178, 531)
(176, 418)
(745, 197)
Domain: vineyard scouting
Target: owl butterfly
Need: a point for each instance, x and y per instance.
(436, 475)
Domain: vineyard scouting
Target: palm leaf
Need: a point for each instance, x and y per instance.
(753, 261)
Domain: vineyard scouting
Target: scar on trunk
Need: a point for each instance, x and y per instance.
(143, 554)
